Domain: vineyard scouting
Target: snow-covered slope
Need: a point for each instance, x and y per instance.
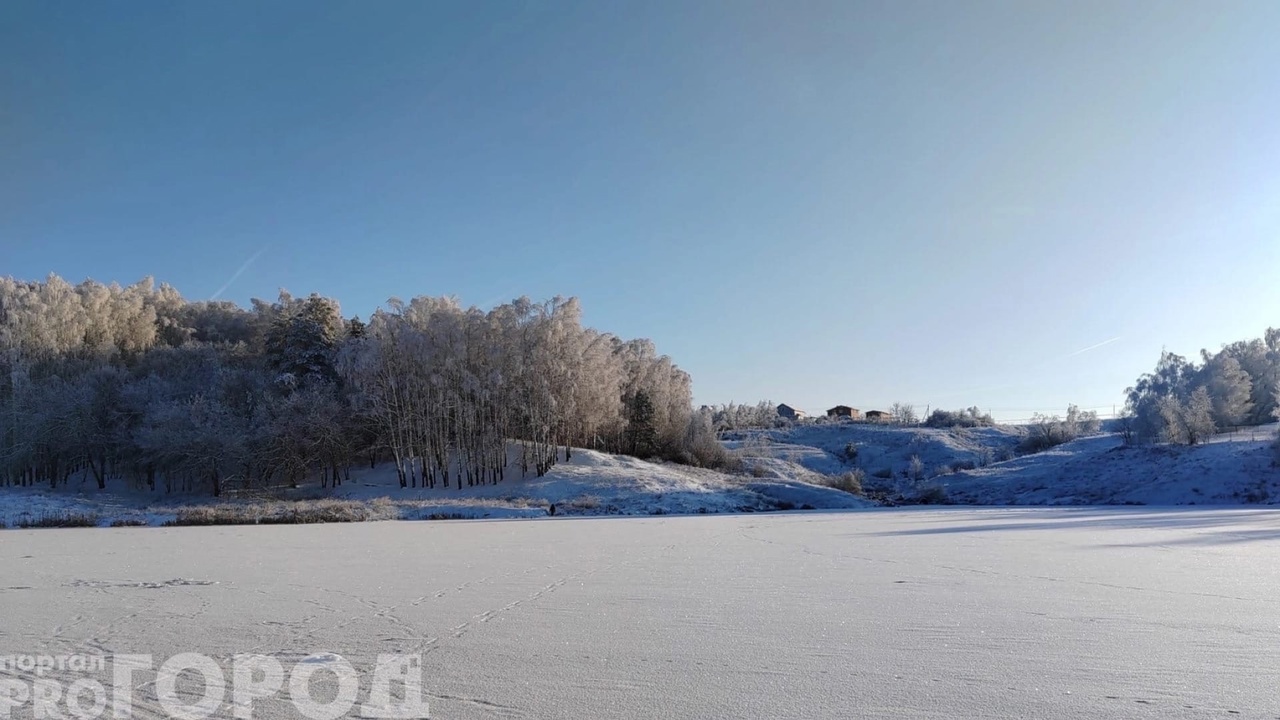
(1101, 470)
(590, 483)
(596, 483)
(822, 448)
(980, 465)
(786, 469)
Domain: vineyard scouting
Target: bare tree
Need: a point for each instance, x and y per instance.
(904, 413)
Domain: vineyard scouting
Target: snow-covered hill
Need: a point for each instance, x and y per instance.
(980, 465)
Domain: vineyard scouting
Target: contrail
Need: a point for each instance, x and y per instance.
(1042, 363)
(1045, 361)
(1094, 347)
(239, 272)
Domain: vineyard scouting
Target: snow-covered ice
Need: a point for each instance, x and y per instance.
(905, 613)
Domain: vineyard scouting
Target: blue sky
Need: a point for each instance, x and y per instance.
(813, 202)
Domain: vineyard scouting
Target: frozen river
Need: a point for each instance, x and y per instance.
(1042, 613)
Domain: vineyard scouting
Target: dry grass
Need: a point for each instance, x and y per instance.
(217, 515)
(301, 512)
(850, 482)
(585, 502)
(65, 519)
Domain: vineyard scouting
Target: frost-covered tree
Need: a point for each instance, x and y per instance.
(1156, 397)
(733, 416)
(1252, 364)
(1188, 422)
(303, 337)
(1082, 422)
(355, 327)
(1047, 431)
(108, 383)
(1230, 390)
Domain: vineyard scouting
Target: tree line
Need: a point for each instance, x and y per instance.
(1184, 401)
(137, 384)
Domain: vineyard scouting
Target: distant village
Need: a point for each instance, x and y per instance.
(836, 413)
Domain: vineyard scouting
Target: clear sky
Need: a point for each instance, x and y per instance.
(812, 202)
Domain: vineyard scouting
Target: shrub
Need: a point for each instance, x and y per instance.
(699, 447)
(66, 519)
(1049, 431)
(985, 456)
(1126, 425)
(1032, 444)
(915, 468)
(850, 482)
(972, 417)
(733, 464)
(933, 495)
